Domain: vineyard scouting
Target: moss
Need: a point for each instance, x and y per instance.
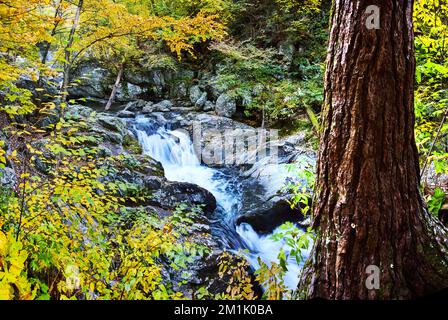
(131, 145)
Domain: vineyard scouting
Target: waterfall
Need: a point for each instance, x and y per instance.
(264, 247)
(175, 151)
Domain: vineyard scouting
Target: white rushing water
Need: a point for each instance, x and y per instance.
(175, 151)
(267, 249)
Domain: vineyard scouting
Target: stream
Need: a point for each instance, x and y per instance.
(175, 151)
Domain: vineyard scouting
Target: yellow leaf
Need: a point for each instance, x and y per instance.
(3, 244)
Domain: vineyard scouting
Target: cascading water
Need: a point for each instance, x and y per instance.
(175, 151)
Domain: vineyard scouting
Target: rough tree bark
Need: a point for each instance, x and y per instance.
(369, 208)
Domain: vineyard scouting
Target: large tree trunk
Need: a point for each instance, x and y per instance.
(369, 209)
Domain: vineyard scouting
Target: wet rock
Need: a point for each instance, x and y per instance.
(128, 91)
(267, 220)
(208, 106)
(112, 123)
(41, 166)
(158, 81)
(126, 114)
(269, 163)
(195, 93)
(94, 81)
(201, 101)
(225, 106)
(77, 111)
(137, 105)
(163, 106)
(179, 90)
(213, 90)
(149, 108)
(48, 121)
(8, 177)
(169, 195)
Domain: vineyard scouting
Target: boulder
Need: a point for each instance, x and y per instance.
(8, 177)
(208, 106)
(200, 103)
(112, 123)
(158, 82)
(225, 106)
(179, 90)
(77, 111)
(267, 220)
(126, 114)
(163, 106)
(128, 92)
(195, 93)
(149, 108)
(136, 105)
(168, 194)
(94, 81)
(138, 78)
(213, 90)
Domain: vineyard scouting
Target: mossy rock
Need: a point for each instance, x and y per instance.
(131, 144)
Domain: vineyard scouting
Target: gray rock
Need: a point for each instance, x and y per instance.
(137, 78)
(77, 111)
(41, 166)
(93, 81)
(265, 221)
(179, 90)
(208, 106)
(149, 108)
(163, 106)
(168, 194)
(225, 106)
(158, 80)
(112, 123)
(128, 91)
(8, 177)
(213, 91)
(201, 101)
(126, 114)
(108, 135)
(137, 105)
(195, 94)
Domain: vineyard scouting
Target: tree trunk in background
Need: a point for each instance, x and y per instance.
(369, 208)
(115, 87)
(67, 55)
(57, 17)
